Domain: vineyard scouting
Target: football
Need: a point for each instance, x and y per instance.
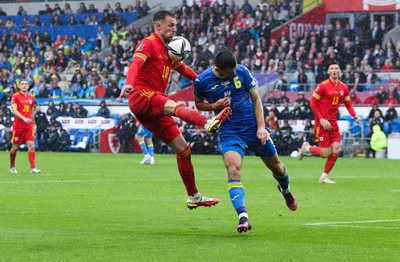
(178, 48)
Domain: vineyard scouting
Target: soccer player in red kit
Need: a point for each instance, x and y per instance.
(23, 129)
(146, 82)
(325, 103)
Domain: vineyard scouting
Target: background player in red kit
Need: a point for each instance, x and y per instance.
(146, 83)
(325, 103)
(22, 105)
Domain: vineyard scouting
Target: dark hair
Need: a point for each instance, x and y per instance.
(225, 59)
(161, 15)
(333, 62)
(22, 79)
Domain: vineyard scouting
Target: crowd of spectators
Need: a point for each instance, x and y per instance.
(142, 9)
(42, 60)
(244, 28)
(49, 138)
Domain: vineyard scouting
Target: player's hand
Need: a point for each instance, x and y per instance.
(358, 119)
(27, 120)
(325, 124)
(263, 135)
(126, 90)
(221, 104)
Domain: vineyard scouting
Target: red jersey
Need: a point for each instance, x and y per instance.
(371, 100)
(155, 72)
(330, 97)
(25, 107)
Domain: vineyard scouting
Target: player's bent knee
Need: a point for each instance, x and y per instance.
(326, 152)
(336, 151)
(233, 170)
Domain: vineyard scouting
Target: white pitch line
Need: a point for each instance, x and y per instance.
(350, 222)
(60, 181)
(355, 177)
(369, 227)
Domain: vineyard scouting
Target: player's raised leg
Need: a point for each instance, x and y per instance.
(214, 123)
(195, 117)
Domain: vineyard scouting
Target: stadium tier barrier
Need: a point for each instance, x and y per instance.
(393, 151)
(86, 123)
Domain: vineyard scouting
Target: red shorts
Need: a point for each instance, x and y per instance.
(326, 138)
(21, 136)
(148, 107)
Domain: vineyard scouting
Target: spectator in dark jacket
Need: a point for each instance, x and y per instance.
(41, 127)
(80, 111)
(52, 139)
(283, 98)
(371, 114)
(296, 112)
(382, 95)
(53, 121)
(5, 142)
(278, 142)
(103, 110)
(64, 141)
(390, 116)
(302, 80)
(285, 112)
(289, 143)
(125, 132)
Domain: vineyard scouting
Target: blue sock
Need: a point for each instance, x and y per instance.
(150, 148)
(143, 146)
(283, 181)
(236, 193)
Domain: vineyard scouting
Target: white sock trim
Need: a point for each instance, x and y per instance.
(243, 214)
(285, 191)
(324, 175)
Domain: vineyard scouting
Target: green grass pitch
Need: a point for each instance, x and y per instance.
(104, 207)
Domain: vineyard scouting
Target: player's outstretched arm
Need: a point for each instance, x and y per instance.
(185, 71)
(351, 111)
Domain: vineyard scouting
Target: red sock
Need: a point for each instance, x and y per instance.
(186, 171)
(13, 155)
(189, 115)
(316, 151)
(330, 163)
(31, 157)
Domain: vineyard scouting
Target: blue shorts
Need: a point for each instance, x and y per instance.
(239, 142)
(142, 131)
